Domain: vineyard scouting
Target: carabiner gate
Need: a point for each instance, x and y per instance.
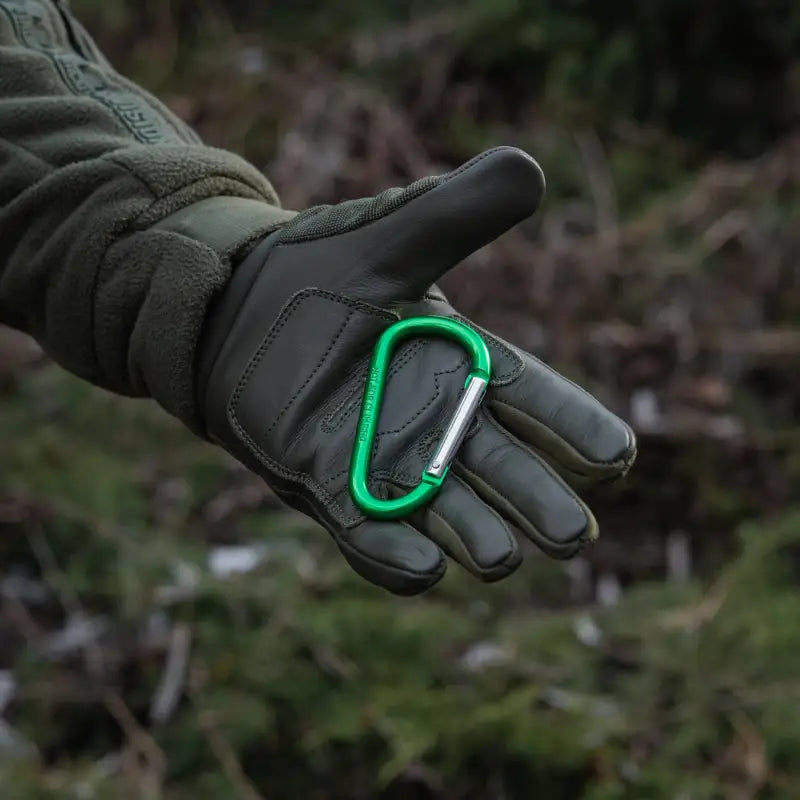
(436, 470)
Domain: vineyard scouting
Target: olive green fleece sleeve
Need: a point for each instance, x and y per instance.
(117, 225)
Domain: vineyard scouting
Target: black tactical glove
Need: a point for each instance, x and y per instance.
(283, 364)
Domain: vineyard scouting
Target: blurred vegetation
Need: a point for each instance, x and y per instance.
(661, 273)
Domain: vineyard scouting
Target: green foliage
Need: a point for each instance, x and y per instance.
(321, 686)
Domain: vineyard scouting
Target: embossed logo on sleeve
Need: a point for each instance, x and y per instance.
(36, 29)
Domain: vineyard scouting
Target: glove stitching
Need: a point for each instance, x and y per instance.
(423, 449)
(311, 375)
(330, 425)
(405, 425)
(303, 429)
(425, 444)
(398, 474)
(233, 418)
(402, 475)
(518, 365)
(436, 375)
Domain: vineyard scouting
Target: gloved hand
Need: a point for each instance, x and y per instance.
(284, 357)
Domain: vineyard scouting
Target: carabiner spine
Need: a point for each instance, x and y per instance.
(470, 401)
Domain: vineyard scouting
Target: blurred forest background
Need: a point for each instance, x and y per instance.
(168, 631)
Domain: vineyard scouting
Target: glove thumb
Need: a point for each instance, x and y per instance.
(435, 228)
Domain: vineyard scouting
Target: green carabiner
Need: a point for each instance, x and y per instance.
(437, 468)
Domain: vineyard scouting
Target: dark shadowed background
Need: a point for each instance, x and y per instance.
(168, 631)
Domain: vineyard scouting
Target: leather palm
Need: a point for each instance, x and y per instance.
(284, 359)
